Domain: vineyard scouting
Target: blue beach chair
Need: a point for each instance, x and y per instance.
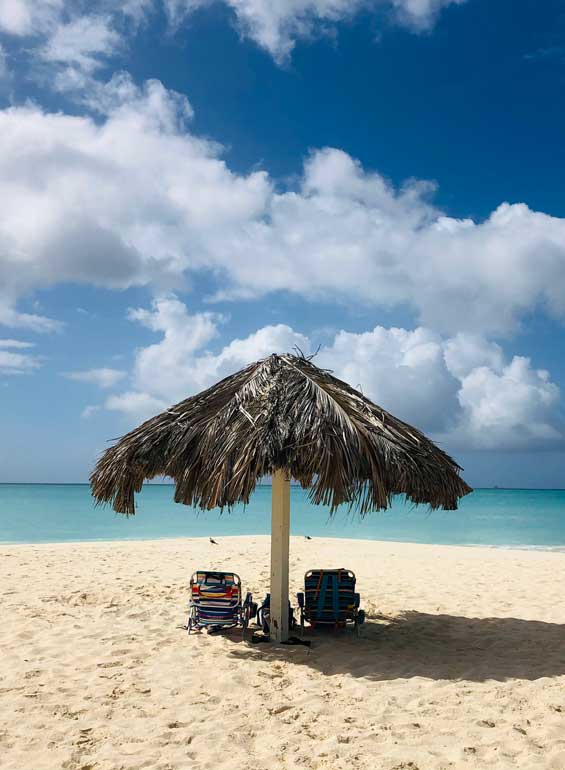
(330, 600)
(216, 602)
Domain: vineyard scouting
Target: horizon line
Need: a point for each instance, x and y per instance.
(259, 484)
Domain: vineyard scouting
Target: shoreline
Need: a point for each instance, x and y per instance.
(473, 546)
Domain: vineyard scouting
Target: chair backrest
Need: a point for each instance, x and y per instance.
(215, 587)
(329, 595)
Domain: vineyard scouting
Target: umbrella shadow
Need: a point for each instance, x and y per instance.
(416, 644)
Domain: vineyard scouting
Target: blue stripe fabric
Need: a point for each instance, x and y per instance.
(335, 596)
(329, 596)
(322, 596)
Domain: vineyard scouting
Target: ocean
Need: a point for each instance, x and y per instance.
(47, 513)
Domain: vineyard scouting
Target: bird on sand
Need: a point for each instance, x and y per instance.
(213, 541)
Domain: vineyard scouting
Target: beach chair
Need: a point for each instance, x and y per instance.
(216, 602)
(330, 600)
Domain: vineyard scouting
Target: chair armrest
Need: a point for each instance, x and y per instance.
(248, 599)
(357, 600)
(300, 598)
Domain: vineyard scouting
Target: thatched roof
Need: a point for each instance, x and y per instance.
(280, 413)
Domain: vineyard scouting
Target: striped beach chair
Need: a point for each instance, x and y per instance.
(330, 600)
(216, 602)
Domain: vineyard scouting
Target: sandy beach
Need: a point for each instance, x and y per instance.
(461, 664)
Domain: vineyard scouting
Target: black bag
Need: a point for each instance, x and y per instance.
(264, 616)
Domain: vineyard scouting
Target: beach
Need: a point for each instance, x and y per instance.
(461, 663)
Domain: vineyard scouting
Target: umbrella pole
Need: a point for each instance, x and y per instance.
(280, 532)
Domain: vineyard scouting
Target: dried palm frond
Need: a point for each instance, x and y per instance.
(285, 413)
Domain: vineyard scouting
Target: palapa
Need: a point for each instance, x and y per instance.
(282, 416)
(286, 413)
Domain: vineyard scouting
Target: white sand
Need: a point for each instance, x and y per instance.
(462, 664)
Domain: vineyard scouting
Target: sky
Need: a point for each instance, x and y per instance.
(187, 186)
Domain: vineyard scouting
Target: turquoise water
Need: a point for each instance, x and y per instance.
(45, 513)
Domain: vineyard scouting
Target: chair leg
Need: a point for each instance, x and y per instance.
(358, 623)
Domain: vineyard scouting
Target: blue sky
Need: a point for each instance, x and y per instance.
(188, 186)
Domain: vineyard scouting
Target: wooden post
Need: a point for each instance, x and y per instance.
(280, 526)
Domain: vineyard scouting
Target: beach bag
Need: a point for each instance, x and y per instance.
(264, 616)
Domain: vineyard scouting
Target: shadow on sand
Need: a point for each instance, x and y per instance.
(432, 646)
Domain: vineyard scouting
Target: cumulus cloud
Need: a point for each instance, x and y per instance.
(509, 408)
(103, 377)
(462, 390)
(403, 371)
(16, 363)
(109, 201)
(182, 357)
(136, 198)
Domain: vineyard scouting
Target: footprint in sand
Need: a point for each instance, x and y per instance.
(486, 723)
(32, 674)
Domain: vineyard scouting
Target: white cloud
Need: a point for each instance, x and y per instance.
(421, 14)
(136, 405)
(276, 25)
(348, 233)
(15, 344)
(515, 407)
(112, 204)
(16, 363)
(88, 411)
(70, 39)
(29, 17)
(103, 378)
(461, 390)
(9, 316)
(81, 36)
(403, 371)
(466, 352)
(137, 199)
(181, 357)
(82, 43)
